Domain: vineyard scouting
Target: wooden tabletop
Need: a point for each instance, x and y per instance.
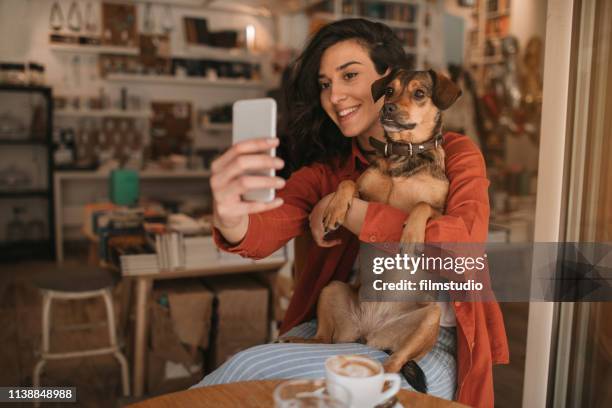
(259, 394)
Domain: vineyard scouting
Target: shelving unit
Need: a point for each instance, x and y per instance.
(186, 81)
(406, 19)
(492, 22)
(43, 248)
(491, 26)
(71, 214)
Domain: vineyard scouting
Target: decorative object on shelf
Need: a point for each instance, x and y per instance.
(155, 53)
(170, 128)
(65, 148)
(167, 22)
(75, 20)
(15, 227)
(148, 24)
(196, 30)
(91, 21)
(56, 17)
(11, 127)
(30, 73)
(13, 178)
(13, 74)
(119, 24)
(124, 186)
(35, 230)
(221, 114)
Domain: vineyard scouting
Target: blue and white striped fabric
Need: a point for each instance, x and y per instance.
(288, 360)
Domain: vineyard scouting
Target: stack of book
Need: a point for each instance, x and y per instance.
(199, 251)
(139, 264)
(170, 250)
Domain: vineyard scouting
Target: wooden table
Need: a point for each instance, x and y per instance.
(144, 285)
(259, 394)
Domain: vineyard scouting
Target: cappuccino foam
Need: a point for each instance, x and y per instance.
(353, 367)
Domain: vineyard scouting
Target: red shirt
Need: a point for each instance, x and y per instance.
(481, 336)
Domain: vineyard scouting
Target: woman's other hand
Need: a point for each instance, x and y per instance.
(230, 179)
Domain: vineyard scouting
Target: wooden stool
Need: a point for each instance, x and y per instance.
(78, 283)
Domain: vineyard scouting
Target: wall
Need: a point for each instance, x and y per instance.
(24, 33)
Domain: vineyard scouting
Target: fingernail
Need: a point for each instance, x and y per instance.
(280, 183)
(272, 141)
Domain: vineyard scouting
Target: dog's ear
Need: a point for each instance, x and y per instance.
(445, 92)
(379, 86)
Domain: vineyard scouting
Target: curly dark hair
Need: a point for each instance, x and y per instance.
(307, 133)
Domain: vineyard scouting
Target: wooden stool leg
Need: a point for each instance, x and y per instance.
(110, 312)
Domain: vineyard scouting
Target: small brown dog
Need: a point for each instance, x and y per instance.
(407, 173)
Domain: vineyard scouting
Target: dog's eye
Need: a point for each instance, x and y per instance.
(388, 91)
(419, 94)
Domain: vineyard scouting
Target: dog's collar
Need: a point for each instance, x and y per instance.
(405, 149)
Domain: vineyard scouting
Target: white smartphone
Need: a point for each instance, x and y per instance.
(255, 118)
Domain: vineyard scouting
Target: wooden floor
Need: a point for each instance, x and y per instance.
(97, 378)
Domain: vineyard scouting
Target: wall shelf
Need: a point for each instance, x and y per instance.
(24, 193)
(145, 174)
(191, 51)
(23, 142)
(94, 49)
(187, 81)
(103, 113)
(217, 127)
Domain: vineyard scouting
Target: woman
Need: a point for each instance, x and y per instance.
(330, 119)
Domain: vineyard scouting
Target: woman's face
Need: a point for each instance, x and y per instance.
(346, 75)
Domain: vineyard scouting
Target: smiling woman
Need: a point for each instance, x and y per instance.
(330, 119)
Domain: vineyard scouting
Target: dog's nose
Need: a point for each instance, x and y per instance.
(389, 108)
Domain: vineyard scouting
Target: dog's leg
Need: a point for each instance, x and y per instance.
(414, 227)
(338, 207)
(336, 314)
(416, 343)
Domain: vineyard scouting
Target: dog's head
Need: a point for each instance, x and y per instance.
(413, 104)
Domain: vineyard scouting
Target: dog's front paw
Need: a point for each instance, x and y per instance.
(412, 240)
(335, 213)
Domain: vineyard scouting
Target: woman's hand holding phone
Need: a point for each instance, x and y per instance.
(230, 180)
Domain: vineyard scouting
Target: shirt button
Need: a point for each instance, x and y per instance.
(372, 238)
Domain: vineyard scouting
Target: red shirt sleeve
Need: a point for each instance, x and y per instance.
(467, 208)
(270, 230)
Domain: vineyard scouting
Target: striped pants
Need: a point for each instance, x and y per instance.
(290, 360)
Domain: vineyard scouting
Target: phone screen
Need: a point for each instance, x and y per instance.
(255, 118)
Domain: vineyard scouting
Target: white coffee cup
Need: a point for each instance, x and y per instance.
(363, 377)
